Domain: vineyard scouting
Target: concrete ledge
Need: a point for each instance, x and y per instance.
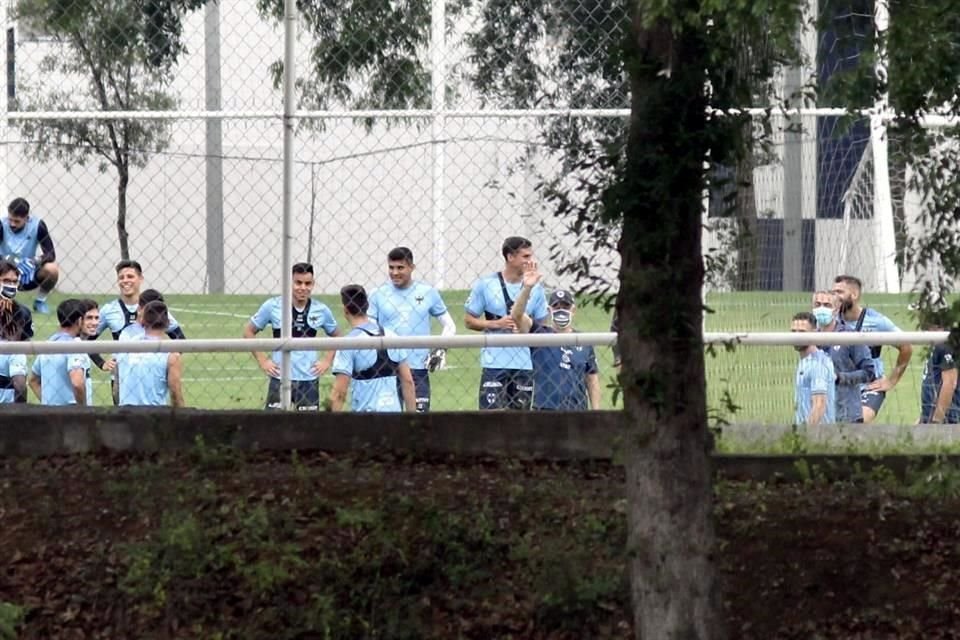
(39, 431)
(843, 436)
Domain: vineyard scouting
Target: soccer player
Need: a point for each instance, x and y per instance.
(58, 379)
(405, 307)
(564, 378)
(852, 363)
(939, 393)
(136, 330)
(857, 318)
(16, 321)
(91, 319)
(815, 391)
(506, 381)
(116, 315)
(151, 379)
(371, 375)
(20, 237)
(13, 378)
(309, 317)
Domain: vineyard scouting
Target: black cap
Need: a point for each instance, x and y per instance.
(560, 296)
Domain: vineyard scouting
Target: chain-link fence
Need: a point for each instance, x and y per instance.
(405, 138)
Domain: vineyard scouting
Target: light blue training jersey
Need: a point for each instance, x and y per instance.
(873, 321)
(11, 366)
(815, 376)
(375, 394)
(407, 312)
(314, 317)
(54, 372)
(117, 316)
(487, 300)
(23, 244)
(143, 378)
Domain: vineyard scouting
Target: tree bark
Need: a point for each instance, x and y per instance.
(123, 180)
(671, 536)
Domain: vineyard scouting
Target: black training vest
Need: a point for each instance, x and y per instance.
(129, 317)
(300, 327)
(383, 367)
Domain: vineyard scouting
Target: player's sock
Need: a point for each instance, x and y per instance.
(41, 296)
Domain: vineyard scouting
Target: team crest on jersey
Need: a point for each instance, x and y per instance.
(419, 299)
(947, 357)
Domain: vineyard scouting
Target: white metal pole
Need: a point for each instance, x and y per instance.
(883, 199)
(289, 124)
(438, 134)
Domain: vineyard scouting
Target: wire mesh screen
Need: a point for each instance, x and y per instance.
(196, 201)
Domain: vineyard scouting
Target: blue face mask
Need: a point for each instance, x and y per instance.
(823, 315)
(8, 291)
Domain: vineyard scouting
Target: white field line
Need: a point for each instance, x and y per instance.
(201, 312)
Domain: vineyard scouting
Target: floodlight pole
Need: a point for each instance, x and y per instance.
(289, 124)
(214, 149)
(438, 133)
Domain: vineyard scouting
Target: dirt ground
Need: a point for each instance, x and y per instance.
(209, 544)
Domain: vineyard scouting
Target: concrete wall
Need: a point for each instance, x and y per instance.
(369, 190)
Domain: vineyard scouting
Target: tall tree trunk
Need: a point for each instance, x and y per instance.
(671, 536)
(123, 175)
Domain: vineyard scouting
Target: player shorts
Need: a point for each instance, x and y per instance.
(421, 388)
(873, 399)
(506, 389)
(305, 394)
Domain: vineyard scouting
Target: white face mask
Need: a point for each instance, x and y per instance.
(562, 318)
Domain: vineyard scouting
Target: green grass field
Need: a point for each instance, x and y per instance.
(759, 379)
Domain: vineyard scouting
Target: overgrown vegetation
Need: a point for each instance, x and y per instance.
(217, 544)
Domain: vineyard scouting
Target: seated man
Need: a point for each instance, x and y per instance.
(20, 237)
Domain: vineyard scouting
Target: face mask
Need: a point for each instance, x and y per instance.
(823, 315)
(562, 318)
(8, 291)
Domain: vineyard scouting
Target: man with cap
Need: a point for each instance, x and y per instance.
(564, 378)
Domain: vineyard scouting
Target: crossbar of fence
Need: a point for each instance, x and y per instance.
(934, 119)
(237, 345)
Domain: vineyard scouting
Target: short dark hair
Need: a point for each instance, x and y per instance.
(89, 304)
(19, 207)
(155, 316)
(302, 267)
(806, 316)
(129, 264)
(6, 267)
(354, 299)
(851, 280)
(149, 295)
(400, 254)
(70, 312)
(513, 244)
